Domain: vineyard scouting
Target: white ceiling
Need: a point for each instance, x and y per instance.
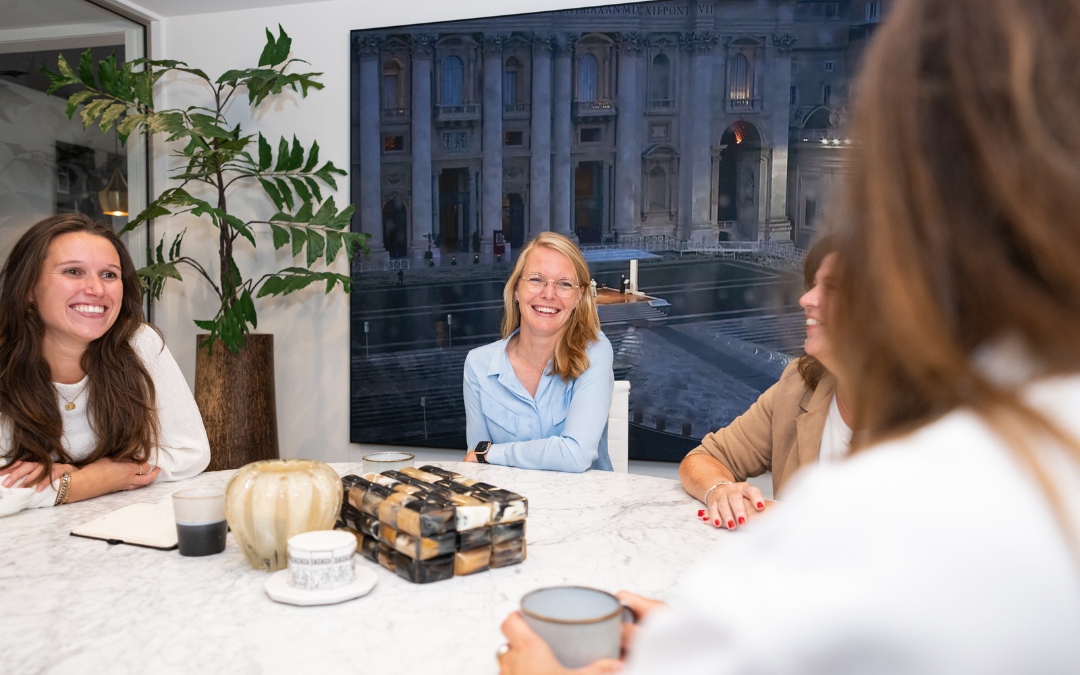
(167, 8)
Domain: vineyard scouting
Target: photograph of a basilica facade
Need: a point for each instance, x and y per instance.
(702, 139)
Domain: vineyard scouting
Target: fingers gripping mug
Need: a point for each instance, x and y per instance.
(580, 624)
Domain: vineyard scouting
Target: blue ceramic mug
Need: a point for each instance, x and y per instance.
(580, 624)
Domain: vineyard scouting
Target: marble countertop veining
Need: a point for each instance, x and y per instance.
(75, 605)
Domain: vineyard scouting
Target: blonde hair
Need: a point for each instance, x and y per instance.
(583, 327)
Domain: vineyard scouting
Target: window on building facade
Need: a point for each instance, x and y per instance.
(660, 93)
(657, 190)
(514, 138)
(589, 135)
(794, 96)
(511, 77)
(829, 66)
(873, 12)
(453, 81)
(794, 67)
(393, 94)
(826, 94)
(739, 91)
(393, 143)
(588, 74)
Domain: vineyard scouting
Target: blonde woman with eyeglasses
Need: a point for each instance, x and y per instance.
(539, 397)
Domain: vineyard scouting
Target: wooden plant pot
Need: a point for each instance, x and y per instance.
(235, 394)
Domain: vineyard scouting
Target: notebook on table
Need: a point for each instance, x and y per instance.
(147, 525)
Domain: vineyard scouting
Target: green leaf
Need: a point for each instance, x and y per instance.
(315, 247)
(266, 58)
(282, 156)
(86, 69)
(237, 224)
(311, 183)
(272, 190)
(128, 125)
(144, 88)
(107, 74)
(299, 237)
(75, 99)
(301, 189)
(272, 286)
(171, 123)
(286, 193)
(282, 48)
(343, 219)
(296, 157)
(174, 250)
(325, 214)
(232, 76)
(304, 214)
(206, 325)
(325, 174)
(65, 69)
(110, 116)
(266, 156)
(333, 245)
(247, 307)
(313, 158)
(281, 236)
(205, 125)
(92, 110)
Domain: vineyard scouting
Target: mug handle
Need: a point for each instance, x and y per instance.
(628, 615)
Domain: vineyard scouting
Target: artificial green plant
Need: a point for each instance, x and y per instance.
(216, 155)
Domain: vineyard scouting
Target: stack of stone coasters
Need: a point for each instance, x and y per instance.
(430, 524)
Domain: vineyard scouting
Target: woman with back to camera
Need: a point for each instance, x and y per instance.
(949, 540)
(804, 419)
(539, 397)
(91, 400)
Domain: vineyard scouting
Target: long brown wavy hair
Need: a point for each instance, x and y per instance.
(121, 399)
(810, 368)
(583, 327)
(967, 204)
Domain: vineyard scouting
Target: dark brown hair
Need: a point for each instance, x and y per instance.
(583, 327)
(967, 203)
(120, 393)
(810, 368)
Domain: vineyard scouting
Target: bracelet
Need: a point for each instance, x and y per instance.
(62, 493)
(723, 482)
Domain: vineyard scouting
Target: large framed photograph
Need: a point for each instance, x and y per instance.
(689, 148)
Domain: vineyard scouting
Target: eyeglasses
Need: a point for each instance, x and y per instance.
(536, 283)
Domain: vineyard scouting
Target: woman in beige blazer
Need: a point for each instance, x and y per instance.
(800, 420)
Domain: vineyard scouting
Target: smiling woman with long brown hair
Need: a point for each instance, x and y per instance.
(949, 541)
(91, 400)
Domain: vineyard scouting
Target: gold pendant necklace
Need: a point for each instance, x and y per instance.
(70, 405)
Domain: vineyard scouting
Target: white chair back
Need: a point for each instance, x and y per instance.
(618, 427)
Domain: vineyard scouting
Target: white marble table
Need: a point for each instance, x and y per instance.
(74, 605)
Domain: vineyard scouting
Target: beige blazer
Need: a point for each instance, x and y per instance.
(781, 432)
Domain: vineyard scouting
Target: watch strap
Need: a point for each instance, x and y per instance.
(481, 451)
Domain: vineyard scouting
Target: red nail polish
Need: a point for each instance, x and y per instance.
(741, 520)
(730, 524)
(706, 519)
(717, 522)
(701, 512)
(760, 505)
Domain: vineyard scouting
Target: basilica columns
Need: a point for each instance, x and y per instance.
(370, 145)
(561, 182)
(700, 47)
(491, 187)
(421, 143)
(627, 139)
(540, 158)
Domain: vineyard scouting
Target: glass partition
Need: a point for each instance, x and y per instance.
(48, 163)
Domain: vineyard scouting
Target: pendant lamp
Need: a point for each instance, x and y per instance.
(114, 198)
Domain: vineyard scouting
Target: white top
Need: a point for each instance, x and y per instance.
(934, 553)
(183, 449)
(836, 438)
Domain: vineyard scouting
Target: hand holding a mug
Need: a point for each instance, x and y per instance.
(528, 654)
(641, 607)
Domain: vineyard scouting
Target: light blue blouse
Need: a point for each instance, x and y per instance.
(564, 428)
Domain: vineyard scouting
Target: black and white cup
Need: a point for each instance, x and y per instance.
(200, 521)
(321, 560)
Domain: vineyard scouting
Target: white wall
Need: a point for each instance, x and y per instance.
(311, 330)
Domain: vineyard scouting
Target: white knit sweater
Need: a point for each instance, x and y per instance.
(183, 450)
